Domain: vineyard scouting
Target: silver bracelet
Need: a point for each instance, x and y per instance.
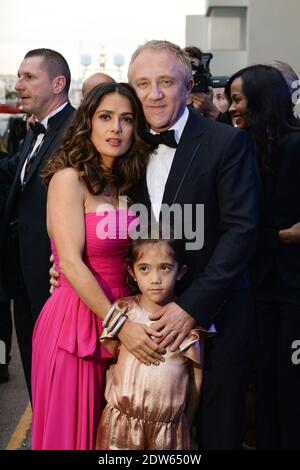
(109, 314)
(118, 326)
(114, 321)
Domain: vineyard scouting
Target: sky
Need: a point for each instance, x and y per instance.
(76, 27)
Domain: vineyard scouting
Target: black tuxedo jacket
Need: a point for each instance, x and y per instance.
(214, 165)
(280, 210)
(28, 204)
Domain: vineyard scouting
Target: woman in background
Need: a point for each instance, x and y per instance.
(260, 103)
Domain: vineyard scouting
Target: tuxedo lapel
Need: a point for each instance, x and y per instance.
(27, 146)
(141, 194)
(187, 149)
(53, 133)
(16, 185)
(48, 139)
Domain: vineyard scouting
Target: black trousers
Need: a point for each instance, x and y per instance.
(278, 377)
(228, 357)
(222, 413)
(25, 316)
(26, 309)
(24, 324)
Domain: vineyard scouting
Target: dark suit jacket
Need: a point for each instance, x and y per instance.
(280, 210)
(4, 188)
(214, 165)
(29, 206)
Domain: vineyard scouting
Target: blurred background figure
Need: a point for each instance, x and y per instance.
(287, 72)
(5, 313)
(291, 78)
(14, 134)
(94, 80)
(204, 101)
(219, 99)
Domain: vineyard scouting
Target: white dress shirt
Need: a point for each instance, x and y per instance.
(40, 138)
(159, 165)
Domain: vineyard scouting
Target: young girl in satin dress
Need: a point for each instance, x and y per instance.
(151, 407)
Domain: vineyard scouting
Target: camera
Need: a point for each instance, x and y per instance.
(202, 76)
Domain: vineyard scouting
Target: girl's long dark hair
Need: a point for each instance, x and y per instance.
(270, 110)
(78, 151)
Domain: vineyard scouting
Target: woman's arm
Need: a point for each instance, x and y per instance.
(65, 221)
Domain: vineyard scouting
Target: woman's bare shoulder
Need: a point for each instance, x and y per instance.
(67, 175)
(67, 178)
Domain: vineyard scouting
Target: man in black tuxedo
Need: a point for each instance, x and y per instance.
(213, 165)
(43, 84)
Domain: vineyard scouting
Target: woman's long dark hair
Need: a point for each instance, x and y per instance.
(270, 114)
(78, 151)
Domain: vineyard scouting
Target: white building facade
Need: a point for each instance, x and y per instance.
(245, 32)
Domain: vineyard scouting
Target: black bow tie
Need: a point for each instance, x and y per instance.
(37, 128)
(166, 138)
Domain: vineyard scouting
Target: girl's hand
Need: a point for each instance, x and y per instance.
(136, 339)
(54, 275)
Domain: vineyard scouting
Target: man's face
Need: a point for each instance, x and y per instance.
(35, 87)
(161, 86)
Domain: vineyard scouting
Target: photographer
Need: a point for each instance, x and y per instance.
(202, 97)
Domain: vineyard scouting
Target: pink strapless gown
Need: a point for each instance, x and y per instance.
(68, 361)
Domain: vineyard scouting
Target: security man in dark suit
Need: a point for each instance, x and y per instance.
(43, 84)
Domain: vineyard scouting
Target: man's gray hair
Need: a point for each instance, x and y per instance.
(286, 71)
(161, 45)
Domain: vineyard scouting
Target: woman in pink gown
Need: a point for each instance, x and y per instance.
(101, 157)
